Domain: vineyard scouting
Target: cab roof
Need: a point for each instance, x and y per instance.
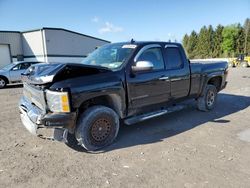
(139, 43)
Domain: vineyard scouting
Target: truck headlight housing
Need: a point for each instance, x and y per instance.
(58, 101)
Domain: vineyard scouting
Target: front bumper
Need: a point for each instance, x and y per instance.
(35, 121)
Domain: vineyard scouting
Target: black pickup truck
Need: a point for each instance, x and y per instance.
(120, 82)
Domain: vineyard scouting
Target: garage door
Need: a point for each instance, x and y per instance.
(4, 55)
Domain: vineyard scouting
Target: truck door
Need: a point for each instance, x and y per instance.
(148, 87)
(179, 71)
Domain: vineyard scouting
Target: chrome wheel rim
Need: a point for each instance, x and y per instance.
(210, 98)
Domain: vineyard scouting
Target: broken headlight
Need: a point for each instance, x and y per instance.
(58, 101)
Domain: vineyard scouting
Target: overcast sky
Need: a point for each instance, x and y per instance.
(122, 20)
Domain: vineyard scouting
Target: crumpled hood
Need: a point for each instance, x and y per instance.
(44, 73)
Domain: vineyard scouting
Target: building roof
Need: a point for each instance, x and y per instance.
(52, 28)
(1, 31)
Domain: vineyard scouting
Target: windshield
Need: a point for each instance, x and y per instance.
(8, 67)
(111, 56)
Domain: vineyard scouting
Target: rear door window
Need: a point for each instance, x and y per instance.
(173, 58)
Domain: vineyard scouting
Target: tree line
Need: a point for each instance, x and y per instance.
(223, 41)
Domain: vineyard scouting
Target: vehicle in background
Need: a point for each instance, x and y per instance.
(241, 61)
(11, 73)
(120, 82)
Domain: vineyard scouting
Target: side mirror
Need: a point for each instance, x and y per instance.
(15, 68)
(142, 66)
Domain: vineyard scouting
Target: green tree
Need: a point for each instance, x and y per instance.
(240, 40)
(185, 41)
(210, 41)
(204, 43)
(217, 49)
(247, 36)
(229, 35)
(225, 41)
(191, 45)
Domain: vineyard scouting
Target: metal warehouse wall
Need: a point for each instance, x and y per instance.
(14, 39)
(50, 44)
(33, 44)
(69, 44)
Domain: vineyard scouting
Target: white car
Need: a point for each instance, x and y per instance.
(11, 73)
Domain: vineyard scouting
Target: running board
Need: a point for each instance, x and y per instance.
(136, 119)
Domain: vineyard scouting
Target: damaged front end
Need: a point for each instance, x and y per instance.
(47, 112)
(40, 120)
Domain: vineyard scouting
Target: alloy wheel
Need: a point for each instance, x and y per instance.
(2, 83)
(210, 98)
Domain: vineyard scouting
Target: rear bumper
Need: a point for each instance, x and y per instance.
(35, 120)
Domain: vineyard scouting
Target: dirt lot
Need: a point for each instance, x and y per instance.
(183, 149)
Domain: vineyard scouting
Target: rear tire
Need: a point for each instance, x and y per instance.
(208, 101)
(3, 82)
(97, 127)
(244, 64)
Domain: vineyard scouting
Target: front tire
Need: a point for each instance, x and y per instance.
(97, 127)
(3, 83)
(208, 101)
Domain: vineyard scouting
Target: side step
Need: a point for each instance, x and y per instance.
(136, 119)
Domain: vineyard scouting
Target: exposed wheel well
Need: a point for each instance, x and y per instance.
(112, 101)
(216, 81)
(6, 79)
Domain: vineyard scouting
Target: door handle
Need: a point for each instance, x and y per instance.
(164, 78)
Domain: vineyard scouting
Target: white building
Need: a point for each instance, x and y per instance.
(46, 44)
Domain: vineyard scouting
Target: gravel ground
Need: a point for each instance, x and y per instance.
(184, 149)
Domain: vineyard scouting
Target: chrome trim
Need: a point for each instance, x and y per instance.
(155, 115)
(145, 48)
(164, 78)
(140, 97)
(171, 46)
(33, 112)
(176, 79)
(28, 124)
(142, 66)
(35, 96)
(30, 116)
